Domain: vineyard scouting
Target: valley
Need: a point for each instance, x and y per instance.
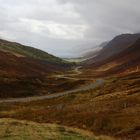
(99, 96)
(69, 70)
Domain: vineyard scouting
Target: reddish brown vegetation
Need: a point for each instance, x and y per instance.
(112, 109)
(126, 61)
(25, 66)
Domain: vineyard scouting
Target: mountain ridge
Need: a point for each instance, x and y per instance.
(20, 50)
(115, 46)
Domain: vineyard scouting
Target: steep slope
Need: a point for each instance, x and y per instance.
(17, 59)
(24, 76)
(115, 46)
(128, 61)
(26, 51)
(125, 62)
(25, 71)
(12, 65)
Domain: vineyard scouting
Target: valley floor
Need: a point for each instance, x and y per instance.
(110, 109)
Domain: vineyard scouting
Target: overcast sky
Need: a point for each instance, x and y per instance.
(64, 27)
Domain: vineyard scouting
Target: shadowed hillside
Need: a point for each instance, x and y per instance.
(123, 62)
(26, 71)
(25, 66)
(128, 61)
(115, 46)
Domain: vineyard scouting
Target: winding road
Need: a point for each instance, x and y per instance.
(97, 83)
(75, 72)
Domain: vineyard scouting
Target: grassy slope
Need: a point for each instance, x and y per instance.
(112, 109)
(26, 51)
(24, 130)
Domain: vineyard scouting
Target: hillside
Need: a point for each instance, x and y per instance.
(16, 130)
(26, 71)
(125, 62)
(26, 51)
(114, 47)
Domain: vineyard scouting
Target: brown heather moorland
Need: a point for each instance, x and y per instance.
(112, 109)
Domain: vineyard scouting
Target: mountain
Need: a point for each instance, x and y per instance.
(12, 65)
(26, 71)
(26, 51)
(127, 61)
(115, 46)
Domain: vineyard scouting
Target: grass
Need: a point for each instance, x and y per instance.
(11, 129)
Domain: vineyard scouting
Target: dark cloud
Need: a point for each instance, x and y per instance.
(62, 27)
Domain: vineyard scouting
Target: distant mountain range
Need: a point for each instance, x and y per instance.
(127, 60)
(93, 52)
(115, 46)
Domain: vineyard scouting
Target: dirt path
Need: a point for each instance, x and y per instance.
(93, 85)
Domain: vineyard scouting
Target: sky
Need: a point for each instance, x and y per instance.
(66, 28)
